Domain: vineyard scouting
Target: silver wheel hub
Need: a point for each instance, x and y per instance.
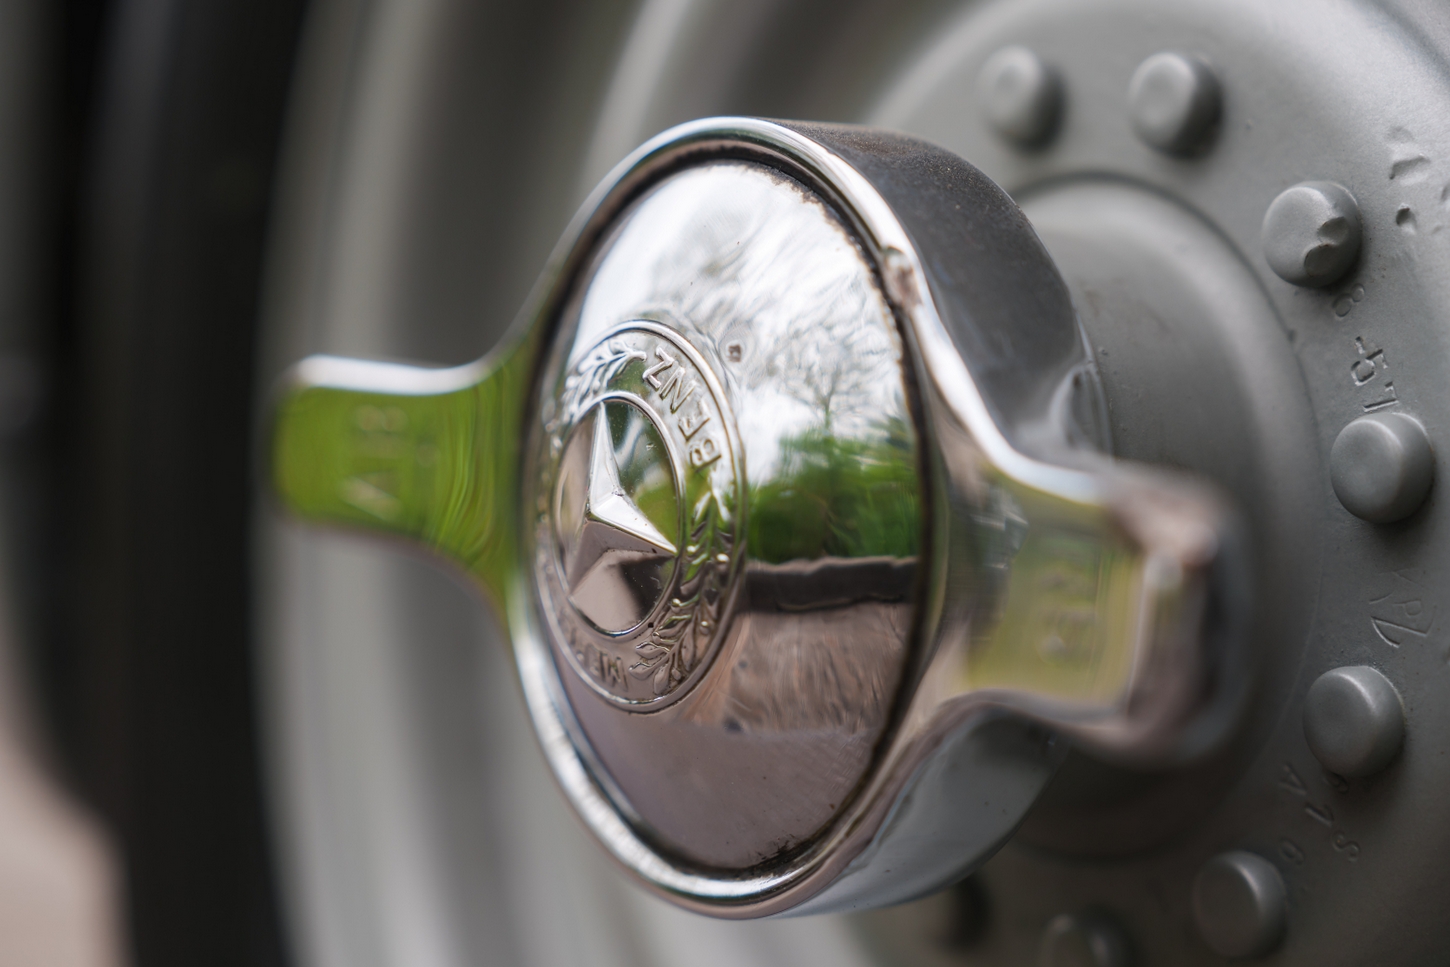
(732, 694)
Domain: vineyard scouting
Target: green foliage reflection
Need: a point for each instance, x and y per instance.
(835, 497)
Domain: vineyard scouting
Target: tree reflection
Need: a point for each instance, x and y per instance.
(835, 497)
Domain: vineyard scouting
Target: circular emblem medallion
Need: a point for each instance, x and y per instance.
(638, 537)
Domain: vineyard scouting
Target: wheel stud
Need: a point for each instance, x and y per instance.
(1174, 101)
(1239, 904)
(1312, 233)
(1382, 467)
(1354, 721)
(1084, 940)
(1021, 96)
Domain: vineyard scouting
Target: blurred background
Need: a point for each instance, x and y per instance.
(138, 149)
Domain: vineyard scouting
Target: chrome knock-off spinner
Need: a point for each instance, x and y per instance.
(782, 489)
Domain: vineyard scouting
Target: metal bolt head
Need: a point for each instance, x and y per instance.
(1084, 940)
(1239, 904)
(1382, 467)
(1174, 102)
(1354, 721)
(1312, 233)
(1021, 96)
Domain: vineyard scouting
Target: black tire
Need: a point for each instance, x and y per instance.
(152, 680)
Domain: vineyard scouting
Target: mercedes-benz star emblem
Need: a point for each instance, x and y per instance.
(616, 560)
(642, 532)
(612, 521)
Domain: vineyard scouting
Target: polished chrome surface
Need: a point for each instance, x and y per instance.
(635, 566)
(802, 574)
(615, 561)
(766, 500)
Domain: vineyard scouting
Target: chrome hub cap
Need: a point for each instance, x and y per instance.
(807, 481)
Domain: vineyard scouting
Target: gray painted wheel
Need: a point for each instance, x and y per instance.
(419, 823)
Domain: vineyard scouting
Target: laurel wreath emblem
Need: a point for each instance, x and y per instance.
(590, 378)
(681, 635)
(675, 648)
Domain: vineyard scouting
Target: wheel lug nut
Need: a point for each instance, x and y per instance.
(1084, 940)
(1382, 467)
(1354, 721)
(1174, 101)
(1239, 904)
(1312, 233)
(1021, 95)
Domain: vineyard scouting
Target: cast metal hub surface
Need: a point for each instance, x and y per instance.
(1350, 96)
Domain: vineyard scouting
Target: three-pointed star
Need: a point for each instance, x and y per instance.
(612, 523)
